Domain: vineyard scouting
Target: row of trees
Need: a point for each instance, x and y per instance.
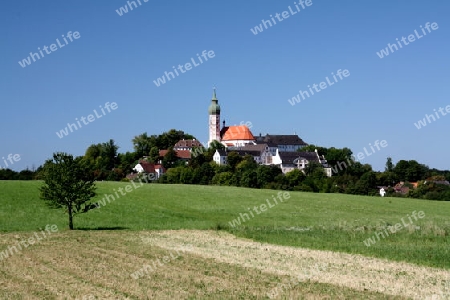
(104, 162)
(145, 145)
(351, 178)
(8, 174)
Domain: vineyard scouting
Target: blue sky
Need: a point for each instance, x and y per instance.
(116, 58)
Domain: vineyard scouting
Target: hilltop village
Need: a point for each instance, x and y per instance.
(283, 151)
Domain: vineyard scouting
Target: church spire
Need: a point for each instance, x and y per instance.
(214, 108)
(214, 94)
(214, 119)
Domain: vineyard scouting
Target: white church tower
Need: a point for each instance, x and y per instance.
(214, 119)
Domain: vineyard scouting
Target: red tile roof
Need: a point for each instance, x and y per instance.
(187, 144)
(148, 167)
(185, 154)
(240, 132)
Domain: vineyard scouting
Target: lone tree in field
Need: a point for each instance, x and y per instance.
(68, 184)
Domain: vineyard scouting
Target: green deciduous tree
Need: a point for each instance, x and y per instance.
(142, 144)
(127, 161)
(311, 167)
(173, 175)
(186, 175)
(387, 179)
(103, 159)
(410, 170)
(295, 177)
(266, 174)
(170, 158)
(197, 157)
(233, 159)
(223, 178)
(366, 184)
(154, 155)
(389, 165)
(109, 150)
(170, 138)
(67, 184)
(249, 179)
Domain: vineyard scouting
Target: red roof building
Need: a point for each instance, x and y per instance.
(236, 133)
(187, 145)
(182, 154)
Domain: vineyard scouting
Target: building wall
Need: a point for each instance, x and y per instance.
(214, 128)
(220, 160)
(238, 143)
(289, 148)
(138, 168)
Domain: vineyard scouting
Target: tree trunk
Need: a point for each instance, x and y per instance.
(70, 217)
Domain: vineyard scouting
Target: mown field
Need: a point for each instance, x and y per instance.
(106, 246)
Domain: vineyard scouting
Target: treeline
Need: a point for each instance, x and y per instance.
(350, 176)
(8, 174)
(104, 162)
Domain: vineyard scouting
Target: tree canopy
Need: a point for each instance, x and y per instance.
(67, 184)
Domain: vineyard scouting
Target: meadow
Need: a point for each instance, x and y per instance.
(336, 222)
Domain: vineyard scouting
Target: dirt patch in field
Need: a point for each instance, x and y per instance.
(352, 271)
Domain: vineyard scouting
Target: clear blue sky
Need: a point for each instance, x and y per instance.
(117, 58)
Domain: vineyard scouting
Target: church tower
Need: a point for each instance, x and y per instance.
(214, 119)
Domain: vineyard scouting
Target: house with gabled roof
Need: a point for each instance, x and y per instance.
(284, 143)
(220, 157)
(236, 136)
(145, 167)
(184, 155)
(260, 152)
(289, 161)
(187, 145)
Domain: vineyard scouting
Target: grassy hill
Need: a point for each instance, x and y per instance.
(334, 222)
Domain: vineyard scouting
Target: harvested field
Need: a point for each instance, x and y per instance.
(199, 265)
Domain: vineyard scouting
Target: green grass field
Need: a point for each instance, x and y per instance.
(334, 222)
